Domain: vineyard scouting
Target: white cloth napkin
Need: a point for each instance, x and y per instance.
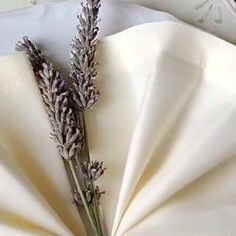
(180, 161)
(165, 128)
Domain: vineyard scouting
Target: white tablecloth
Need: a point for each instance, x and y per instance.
(53, 24)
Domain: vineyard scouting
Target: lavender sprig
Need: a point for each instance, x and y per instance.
(66, 131)
(85, 94)
(83, 51)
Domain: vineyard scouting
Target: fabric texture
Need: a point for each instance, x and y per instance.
(53, 25)
(215, 16)
(165, 128)
(11, 5)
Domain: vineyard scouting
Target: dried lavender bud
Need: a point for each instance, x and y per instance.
(91, 171)
(89, 194)
(65, 129)
(98, 193)
(83, 63)
(77, 199)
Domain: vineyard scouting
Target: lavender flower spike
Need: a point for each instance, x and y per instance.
(65, 131)
(83, 63)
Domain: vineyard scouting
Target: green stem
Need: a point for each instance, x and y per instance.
(73, 171)
(97, 209)
(95, 200)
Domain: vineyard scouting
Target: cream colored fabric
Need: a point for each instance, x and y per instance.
(167, 116)
(164, 126)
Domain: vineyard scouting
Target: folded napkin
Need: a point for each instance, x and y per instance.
(164, 126)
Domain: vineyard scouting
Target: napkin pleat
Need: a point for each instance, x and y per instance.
(163, 103)
(205, 103)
